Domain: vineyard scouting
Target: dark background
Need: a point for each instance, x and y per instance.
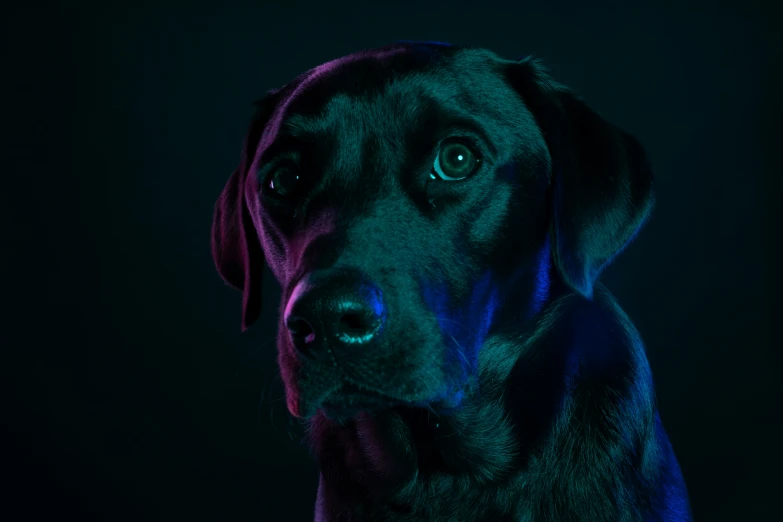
(131, 393)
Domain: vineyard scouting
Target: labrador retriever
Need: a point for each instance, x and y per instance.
(437, 217)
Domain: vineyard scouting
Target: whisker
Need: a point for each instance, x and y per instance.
(460, 352)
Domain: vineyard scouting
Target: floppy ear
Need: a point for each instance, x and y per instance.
(601, 185)
(236, 250)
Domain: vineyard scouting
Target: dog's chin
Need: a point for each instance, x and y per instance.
(346, 402)
(350, 400)
(342, 403)
(347, 412)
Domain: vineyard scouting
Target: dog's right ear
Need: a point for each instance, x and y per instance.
(236, 249)
(602, 190)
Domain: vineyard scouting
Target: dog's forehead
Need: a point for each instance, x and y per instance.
(381, 91)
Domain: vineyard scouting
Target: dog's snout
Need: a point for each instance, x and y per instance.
(341, 316)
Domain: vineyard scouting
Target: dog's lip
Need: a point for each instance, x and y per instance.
(351, 398)
(353, 391)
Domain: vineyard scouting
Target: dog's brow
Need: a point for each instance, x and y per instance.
(306, 128)
(298, 125)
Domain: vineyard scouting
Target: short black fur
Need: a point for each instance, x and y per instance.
(496, 379)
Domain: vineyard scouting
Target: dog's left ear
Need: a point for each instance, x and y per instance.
(236, 249)
(602, 189)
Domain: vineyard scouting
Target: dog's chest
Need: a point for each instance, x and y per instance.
(438, 499)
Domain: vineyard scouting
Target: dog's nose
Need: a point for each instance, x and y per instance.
(341, 315)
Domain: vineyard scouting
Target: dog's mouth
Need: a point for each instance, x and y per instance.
(349, 400)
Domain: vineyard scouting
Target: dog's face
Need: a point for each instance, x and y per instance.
(403, 197)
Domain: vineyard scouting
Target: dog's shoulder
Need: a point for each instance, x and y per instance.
(605, 434)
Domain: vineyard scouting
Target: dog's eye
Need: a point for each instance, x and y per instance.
(284, 180)
(454, 161)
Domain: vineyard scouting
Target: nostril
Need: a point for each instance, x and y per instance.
(300, 329)
(356, 327)
(352, 321)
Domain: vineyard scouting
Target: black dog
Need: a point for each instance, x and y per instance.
(437, 217)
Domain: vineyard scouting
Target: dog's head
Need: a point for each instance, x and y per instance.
(403, 197)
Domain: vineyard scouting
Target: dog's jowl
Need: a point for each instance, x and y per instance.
(437, 217)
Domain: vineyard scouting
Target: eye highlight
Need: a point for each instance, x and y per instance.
(284, 180)
(455, 160)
